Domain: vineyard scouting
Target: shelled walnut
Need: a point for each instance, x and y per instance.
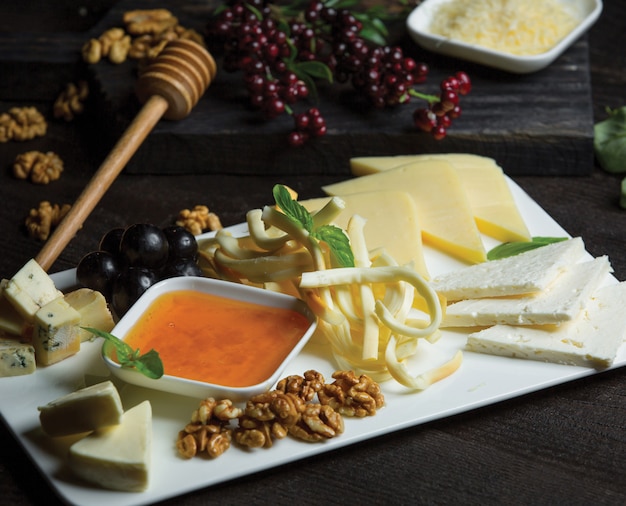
(40, 221)
(198, 219)
(22, 124)
(70, 101)
(40, 168)
(352, 395)
(113, 44)
(208, 431)
(305, 387)
(152, 21)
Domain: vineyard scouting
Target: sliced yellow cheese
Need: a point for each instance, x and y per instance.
(11, 321)
(117, 457)
(494, 207)
(443, 208)
(391, 223)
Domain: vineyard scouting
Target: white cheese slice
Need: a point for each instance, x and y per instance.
(561, 301)
(16, 359)
(592, 340)
(528, 272)
(117, 457)
(30, 289)
(84, 410)
(57, 333)
(11, 321)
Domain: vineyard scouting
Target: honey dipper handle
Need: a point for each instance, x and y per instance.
(126, 146)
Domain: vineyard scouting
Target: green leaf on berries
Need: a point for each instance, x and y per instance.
(610, 141)
(314, 69)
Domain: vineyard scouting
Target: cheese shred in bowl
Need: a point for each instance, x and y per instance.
(519, 27)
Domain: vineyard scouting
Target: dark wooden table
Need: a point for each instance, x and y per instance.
(564, 445)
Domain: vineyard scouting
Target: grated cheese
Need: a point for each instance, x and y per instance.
(520, 27)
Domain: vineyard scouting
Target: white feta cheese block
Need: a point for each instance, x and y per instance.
(30, 289)
(84, 410)
(528, 272)
(561, 301)
(57, 333)
(117, 457)
(16, 359)
(592, 340)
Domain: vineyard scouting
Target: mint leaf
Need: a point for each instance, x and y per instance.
(509, 249)
(293, 209)
(148, 364)
(338, 243)
(610, 141)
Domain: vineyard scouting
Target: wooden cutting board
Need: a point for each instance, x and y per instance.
(536, 124)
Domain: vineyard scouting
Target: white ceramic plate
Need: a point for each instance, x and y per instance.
(481, 380)
(420, 18)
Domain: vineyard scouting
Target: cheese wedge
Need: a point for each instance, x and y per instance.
(592, 340)
(93, 309)
(528, 272)
(84, 410)
(494, 207)
(57, 333)
(391, 223)
(117, 457)
(562, 301)
(16, 359)
(11, 321)
(443, 208)
(30, 289)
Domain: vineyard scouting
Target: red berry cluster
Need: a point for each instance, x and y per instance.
(438, 117)
(281, 57)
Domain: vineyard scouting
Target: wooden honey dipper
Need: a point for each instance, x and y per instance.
(169, 88)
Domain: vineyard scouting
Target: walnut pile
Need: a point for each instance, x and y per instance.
(289, 410)
(208, 431)
(145, 33)
(70, 101)
(22, 124)
(42, 220)
(40, 168)
(198, 220)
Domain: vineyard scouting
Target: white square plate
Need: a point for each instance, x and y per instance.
(480, 381)
(420, 18)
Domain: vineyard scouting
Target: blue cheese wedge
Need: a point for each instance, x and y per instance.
(561, 301)
(592, 340)
(56, 333)
(528, 272)
(118, 457)
(85, 410)
(30, 289)
(16, 359)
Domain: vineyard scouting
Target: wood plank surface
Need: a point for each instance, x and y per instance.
(536, 124)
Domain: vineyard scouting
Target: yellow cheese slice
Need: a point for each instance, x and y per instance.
(494, 207)
(392, 223)
(443, 208)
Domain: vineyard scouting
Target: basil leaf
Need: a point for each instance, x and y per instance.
(314, 69)
(338, 243)
(610, 141)
(509, 249)
(149, 364)
(292, 208)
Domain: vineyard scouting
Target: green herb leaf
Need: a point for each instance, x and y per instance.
(315, 69)
(338, 243)
(293, 209)
(610, 141)
(509, 249)
(148, 364)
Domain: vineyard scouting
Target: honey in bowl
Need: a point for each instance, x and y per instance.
(213, 339)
